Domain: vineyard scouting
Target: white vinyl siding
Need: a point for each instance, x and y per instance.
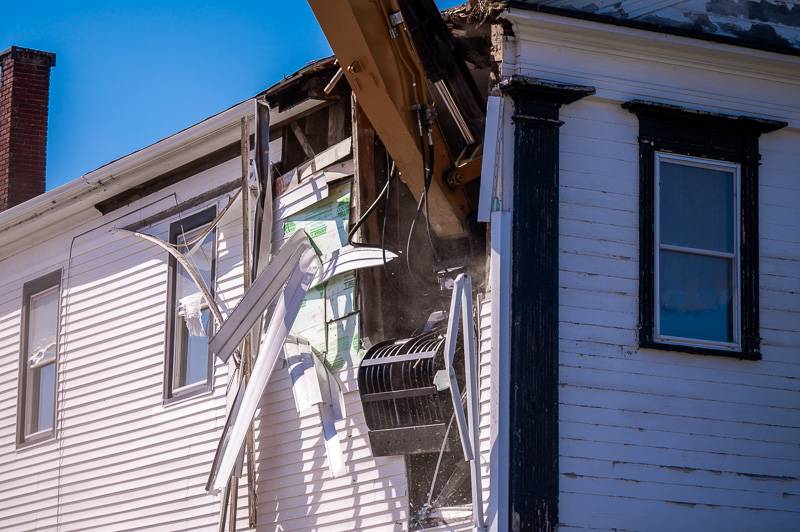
(121, 460)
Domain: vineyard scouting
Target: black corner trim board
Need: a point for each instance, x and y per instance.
(668, 128)
(533, 439)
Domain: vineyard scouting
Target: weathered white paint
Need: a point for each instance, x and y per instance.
(652, 439)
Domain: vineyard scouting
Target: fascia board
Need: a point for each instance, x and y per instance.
(78, 196)
(131, 170)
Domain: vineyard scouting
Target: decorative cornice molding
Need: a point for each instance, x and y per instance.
(750, 123)
(543, 89)
(644, 25)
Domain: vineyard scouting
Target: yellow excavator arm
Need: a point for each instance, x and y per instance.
(425, 109)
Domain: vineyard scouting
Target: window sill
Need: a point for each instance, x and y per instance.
(36, 439)
(694, 350)
(188, 392)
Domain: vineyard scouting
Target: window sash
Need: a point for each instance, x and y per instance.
(180, 362)
(735, 256)
(30, 428)
(176, 357)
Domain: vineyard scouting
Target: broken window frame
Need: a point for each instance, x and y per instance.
(172, 393)
(27, 405)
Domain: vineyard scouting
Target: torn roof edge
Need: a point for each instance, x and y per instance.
(604, 18)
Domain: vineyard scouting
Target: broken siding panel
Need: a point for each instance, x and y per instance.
(687, 438)
(295, 488)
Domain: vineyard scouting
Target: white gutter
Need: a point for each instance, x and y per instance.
(80, 195)
(122, 173)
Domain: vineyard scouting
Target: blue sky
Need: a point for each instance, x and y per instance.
(131, 72)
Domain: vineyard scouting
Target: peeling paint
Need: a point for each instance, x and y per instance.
(771, 24)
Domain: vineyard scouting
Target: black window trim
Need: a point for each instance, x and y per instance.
(29, 289)
(671, 129)
(186, 224)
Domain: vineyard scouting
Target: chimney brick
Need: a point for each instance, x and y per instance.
(24, 93)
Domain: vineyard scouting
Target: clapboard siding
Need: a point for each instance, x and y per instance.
(295, 488)
(653, 439)
(692, 439)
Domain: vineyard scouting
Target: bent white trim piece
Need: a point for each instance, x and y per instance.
(300, 364)
(449, 354)
(490, 163)
(197, 241)
(314, 386)
(187, 265)
(350, 258)
(270, 348)
(261, 294)
(296, 266)
(461, 308)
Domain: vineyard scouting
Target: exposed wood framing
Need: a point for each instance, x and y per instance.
(301, 138)
(365, 190)
(334, 81)
(295, 176)
(337, 120)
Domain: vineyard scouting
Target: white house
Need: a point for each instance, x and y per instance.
(624, 200)
(649, 166)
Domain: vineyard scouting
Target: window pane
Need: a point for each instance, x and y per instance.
(202, 259)
(196, 362)
(42, 324)
(190, 362)
(695, 296)
(696, 207)
(45, 397)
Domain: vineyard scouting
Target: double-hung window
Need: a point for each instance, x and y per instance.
(189, 366)
(39, 358)
(698, 230)
(697, 296)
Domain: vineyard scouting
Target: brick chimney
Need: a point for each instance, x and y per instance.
(24, 93)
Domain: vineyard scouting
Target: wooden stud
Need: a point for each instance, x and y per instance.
(301, 138)
(365, 190)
